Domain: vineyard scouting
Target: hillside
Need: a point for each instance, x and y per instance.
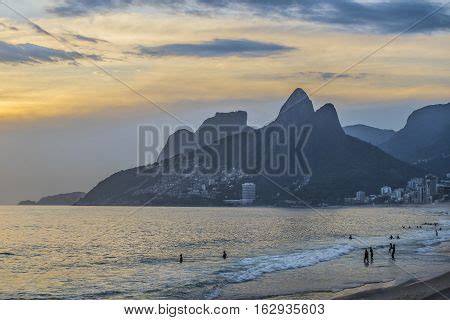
(340, 165)
(369, 134)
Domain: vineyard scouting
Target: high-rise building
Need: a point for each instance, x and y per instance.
(248, 193)
(361, 197)
(397, 194)
(415, 183)
(420, 195)
(431, 183)
(385, 190)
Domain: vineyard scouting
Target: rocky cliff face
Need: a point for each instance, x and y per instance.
(298, 107)
(211, 130)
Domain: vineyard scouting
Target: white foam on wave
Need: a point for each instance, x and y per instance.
(213, 294)
(251, 268)
(430, 240)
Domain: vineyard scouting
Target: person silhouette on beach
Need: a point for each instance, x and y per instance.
(181, 258)
(390, 247)
(437, 233)
(398, 237)
(393, 252)
(371, 254)
(350, 237)
(391, 237)
(366, 256)
(224, 255)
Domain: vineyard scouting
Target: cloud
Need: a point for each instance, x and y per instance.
(330, 75)
(302, 75)
(6, 26)
(216, 48)
(381, 16)
(30, 53)
(82, 7)
(38, 29)
(87, 39)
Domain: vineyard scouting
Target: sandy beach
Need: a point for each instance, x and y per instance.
(437, 288)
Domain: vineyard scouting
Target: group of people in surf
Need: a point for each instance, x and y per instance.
(224, 256)
(391, 245)
(369, 251)
(366, 256)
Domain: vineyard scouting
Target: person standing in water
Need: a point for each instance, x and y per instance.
(181, 258)
(393, 251)
(224, 255)
(366, 256)
(350, 237)
(390, 247)
(371, 254)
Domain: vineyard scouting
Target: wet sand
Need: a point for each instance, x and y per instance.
(437, 288)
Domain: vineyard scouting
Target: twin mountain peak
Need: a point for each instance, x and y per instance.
(297, 110)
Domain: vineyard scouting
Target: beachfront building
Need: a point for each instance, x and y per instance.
(397, 194)
(248, 193)
(385, 191)
(431, 182)
(360, 197)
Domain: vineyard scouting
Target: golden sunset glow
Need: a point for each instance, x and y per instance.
(405, 69)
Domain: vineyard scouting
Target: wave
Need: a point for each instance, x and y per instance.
(101, 294)
(213, 294)
(6, 254)
(431, 241)
(252, 268)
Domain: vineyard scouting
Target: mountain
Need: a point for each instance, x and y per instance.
(297, 106)
(368, 134)
(180, 140)
(211, 130)
(27, 203)
(303, 154)
(66, 199)
(425, 139)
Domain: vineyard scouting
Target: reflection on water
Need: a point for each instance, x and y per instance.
(118, 252)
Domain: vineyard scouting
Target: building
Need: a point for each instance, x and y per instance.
(397, 195)
(360, 197)
(414, 184)
(385, 190)
(419, 195)
(431, 183)
(248, 193)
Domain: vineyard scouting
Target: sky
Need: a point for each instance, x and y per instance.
(79, 76)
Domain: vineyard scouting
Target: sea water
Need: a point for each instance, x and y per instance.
(132, 253)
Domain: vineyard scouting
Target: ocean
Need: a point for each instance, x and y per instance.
(132, 253)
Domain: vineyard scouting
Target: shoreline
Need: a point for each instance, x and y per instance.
(436, 288)
(336, 206)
